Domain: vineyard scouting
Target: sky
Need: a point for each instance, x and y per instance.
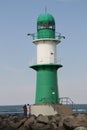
(19, 17)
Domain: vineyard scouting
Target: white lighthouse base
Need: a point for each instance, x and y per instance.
(51, 109)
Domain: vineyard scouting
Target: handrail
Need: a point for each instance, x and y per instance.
(58, 36)
(68, 101)
(33, 61)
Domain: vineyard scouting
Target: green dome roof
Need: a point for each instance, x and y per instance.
(47, 18)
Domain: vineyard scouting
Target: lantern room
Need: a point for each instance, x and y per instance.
(45, 26)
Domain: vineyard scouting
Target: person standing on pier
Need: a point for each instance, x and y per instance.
(28, 110)
(25, 110)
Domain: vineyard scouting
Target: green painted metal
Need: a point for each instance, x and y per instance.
(46, 17)
(46, 83)
(45, 26)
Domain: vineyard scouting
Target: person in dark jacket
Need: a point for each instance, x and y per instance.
(25, 110)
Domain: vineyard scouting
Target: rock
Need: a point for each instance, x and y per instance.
(29, 122)
(43, 119)
(12, 124)
(46, 127)
(80, 128)
(81, 117)
(70, 123)
(59, 120)
(22, 128)
(52, 120)
(53, 126)
(61, 128)
(17, 124)
(42, 122)
(39, 126)
(8, 128)
(62, 109)
(4, 125)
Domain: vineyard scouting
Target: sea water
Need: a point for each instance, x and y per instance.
(11, 109)
(18, 109)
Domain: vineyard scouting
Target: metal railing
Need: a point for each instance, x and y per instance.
(69, 102)
(33, 61)
(58, 36)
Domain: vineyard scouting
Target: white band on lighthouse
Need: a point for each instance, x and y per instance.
(46, 51)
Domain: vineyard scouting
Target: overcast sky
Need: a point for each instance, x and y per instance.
(19, 17)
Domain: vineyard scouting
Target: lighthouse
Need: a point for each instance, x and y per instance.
(46, 66)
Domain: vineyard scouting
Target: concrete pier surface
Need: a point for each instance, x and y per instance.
(50, 109)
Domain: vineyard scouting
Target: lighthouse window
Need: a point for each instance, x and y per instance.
(50, 27)
(44, 26)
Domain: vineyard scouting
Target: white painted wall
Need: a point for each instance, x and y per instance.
(43, 109)
(46, 52)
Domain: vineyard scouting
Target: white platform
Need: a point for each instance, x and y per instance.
(50, 109)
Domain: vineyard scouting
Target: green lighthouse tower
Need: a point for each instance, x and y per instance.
(46, 66)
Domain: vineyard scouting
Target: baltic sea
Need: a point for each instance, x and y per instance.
(11, 109)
